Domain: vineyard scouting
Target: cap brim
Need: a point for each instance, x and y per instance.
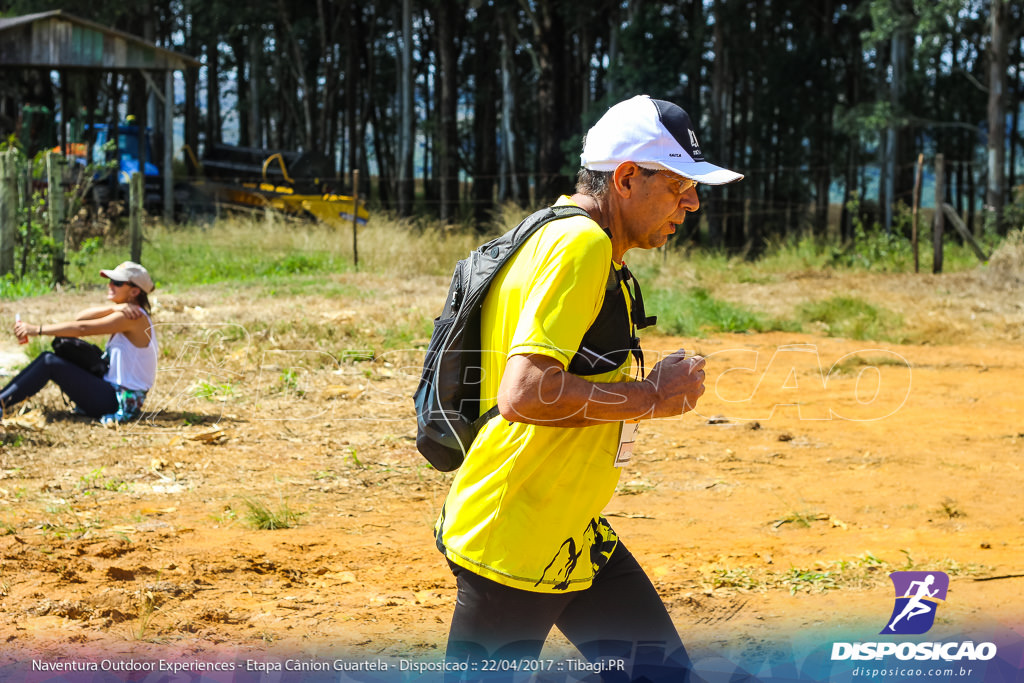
(703, 172)
(124, 276)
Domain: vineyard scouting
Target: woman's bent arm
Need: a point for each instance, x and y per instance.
(113, 322)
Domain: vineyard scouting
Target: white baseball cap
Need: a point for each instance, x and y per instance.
(131, 272)
(654, 134)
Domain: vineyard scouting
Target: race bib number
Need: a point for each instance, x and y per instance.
(627, 437)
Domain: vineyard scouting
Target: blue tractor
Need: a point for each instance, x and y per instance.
(113, 184)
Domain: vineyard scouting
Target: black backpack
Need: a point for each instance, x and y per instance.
(83, 354)
(447, 398)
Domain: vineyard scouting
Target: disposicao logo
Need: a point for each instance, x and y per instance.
(918, 595)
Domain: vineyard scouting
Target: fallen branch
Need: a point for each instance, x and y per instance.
(997, 578)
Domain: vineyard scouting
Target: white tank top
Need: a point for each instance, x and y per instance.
(130, 366)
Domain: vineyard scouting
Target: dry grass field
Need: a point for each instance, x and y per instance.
(813, 467)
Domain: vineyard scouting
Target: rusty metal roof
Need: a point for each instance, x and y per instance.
(60, 40)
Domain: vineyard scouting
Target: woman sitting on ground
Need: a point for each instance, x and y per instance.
(131, 350)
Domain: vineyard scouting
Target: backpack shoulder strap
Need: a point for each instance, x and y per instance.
(640, 317)
(567, 211)
(515, 239)
(501, 248)
(536, 220)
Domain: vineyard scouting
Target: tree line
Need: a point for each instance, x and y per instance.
(457, 106)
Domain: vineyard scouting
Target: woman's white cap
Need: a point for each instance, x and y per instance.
(654, 134)
(132, 272)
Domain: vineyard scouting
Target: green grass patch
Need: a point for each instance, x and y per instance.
(799, 518)
(13, 288)
(741, 579)
(295, 256)
(57, 528)
(694, 312)
(221, 391)
(354, 457)
(810, 580)
(285, 257)
(198, 262)
(312, 285)
(859, 573)
(853, 318)
(271, 253)
(96, 479)
(259, 515)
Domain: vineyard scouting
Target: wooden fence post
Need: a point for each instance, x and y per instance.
(961, 227)
(939, 222)
(55, 211)
(8, 209)
(355, 217)
(917, 203)
(136, 195)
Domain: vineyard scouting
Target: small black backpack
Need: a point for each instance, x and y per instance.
(447, 398)
(83, 354)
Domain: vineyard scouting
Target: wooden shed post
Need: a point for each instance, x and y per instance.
(168, 146)
(8, 209)
(136, 196)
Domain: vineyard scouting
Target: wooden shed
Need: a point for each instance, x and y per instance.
(58, 41)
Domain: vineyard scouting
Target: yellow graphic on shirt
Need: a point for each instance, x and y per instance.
(599, 538)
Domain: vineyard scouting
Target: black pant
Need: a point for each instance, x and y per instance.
(619, 624)
(92, 394)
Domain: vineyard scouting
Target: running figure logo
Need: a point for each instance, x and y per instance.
(918, 595)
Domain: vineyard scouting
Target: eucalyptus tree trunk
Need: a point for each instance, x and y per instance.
(896, 133)
(720, 89)
(823, 160)
(213, 118)
(255, 41)
(994, 195)
(306, 86)
(549, 63)
(407, 129)
(448, 133)
(508, 183)
(485, 116)
(243, 81)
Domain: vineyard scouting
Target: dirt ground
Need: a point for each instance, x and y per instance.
(813, 467)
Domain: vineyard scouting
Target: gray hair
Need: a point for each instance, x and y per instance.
(597, 183)
(593, 183)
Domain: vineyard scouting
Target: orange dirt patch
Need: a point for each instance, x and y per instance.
(812, 468)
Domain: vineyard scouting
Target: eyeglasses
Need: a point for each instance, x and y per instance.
(680, 184)
(119, 283)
